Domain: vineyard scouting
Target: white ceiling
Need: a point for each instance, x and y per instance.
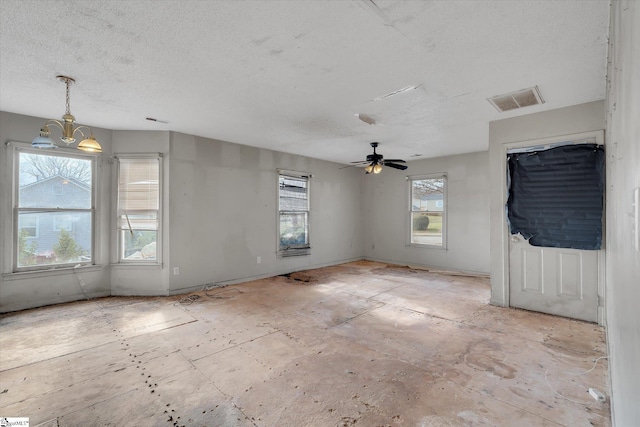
(292, 75)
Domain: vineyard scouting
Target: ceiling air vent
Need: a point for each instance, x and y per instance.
(518, 99)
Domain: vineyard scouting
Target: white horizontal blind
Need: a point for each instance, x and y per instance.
(138, 194)
(293, 194)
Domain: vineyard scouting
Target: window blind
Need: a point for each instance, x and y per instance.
(138, 194)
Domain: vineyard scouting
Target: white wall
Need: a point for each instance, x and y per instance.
(563, 121)
(223, 208)
(25, 290)
(386, 214)
(623, 175)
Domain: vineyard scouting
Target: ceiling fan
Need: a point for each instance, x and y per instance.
(375, 162)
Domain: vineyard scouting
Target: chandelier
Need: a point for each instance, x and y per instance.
(67, 128)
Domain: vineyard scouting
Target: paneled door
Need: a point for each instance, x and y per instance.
(555, 213)
(556, 281)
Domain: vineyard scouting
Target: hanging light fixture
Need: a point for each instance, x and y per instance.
(374, 167)
(68, 131)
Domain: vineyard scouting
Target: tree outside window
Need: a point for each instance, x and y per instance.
(54, 206)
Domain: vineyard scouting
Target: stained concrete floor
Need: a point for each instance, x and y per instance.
(364, 344)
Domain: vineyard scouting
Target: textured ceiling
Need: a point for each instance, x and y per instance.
(293, 75)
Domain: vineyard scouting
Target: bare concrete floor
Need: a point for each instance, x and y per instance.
(363, 344)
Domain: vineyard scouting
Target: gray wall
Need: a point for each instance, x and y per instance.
(623, 167)
(25, 290)
(223, 207)
(386, 214)
(555, 123)
(219, 215)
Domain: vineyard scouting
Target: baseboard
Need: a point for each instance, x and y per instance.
(258, 277)
(27, 305)
(434, 268)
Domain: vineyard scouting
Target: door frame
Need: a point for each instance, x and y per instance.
(506, 282)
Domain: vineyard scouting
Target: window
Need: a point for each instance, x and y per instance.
(293, 213)
(428, 210)
(28, 225)
(62, 222)
(138, 209)
(53, 228)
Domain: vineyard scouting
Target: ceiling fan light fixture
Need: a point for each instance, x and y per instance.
(67, 128)
(374, 162)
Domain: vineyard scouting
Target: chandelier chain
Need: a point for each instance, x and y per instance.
(68, 104)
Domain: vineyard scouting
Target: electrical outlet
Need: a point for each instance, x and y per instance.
(176, 271)
(259, 259)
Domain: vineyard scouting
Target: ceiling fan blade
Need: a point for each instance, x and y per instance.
(362, 162)
(395, 166)
(349, 166)
(394, 160)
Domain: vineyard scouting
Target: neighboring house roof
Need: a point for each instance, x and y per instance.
(56, 178)
(56, 192)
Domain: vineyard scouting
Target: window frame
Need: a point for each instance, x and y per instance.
(411, 211)
(118, 248)
(22, 147)
(299, 249)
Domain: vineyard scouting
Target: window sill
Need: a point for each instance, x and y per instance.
(20, 275)
(137, 265)
(421, 246)
(291, 252)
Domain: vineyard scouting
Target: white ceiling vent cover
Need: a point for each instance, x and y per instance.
(518, 99)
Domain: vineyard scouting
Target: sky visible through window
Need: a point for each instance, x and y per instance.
(36, 167)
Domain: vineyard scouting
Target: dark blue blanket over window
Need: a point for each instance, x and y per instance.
(556, 196)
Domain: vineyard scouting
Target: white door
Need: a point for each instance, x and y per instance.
(555, 195)
(557, 281)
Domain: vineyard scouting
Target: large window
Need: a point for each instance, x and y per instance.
(138, 209)
(54, 209)
(428, 210)
(293, 212)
